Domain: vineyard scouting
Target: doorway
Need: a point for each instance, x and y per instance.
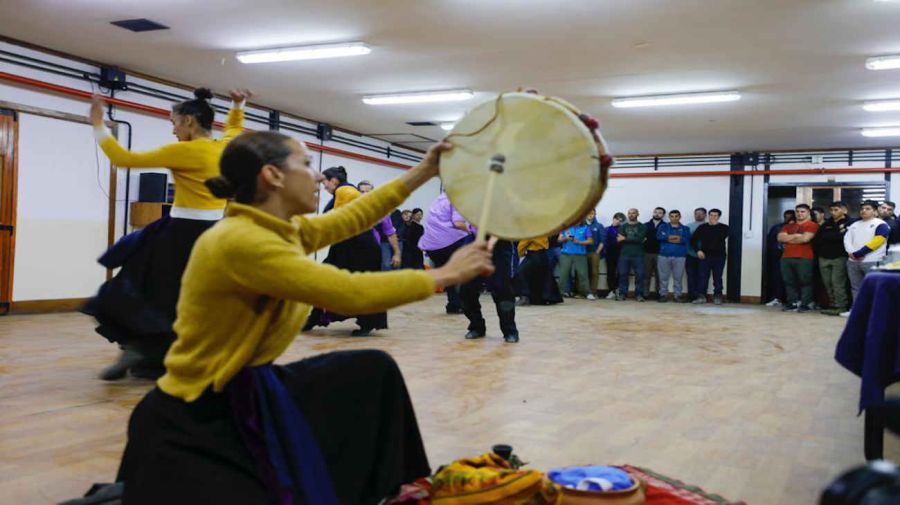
(8, 191)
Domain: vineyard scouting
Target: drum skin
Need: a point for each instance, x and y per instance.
(551, 176)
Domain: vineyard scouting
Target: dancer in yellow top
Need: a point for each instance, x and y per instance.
(136, 308)
(225, 425)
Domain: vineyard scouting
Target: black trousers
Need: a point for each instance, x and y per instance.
(500, 283)
(533, 275)
(440, 257)
(356, 403)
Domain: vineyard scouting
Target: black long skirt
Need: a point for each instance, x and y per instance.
(137, 307)
(355, 402)
(361, 253)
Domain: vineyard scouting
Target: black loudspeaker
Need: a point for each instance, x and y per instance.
(152, 188)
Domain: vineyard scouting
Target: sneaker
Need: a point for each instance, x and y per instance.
(512, 338)
(789, 307)
(568, 295)
(832, 312)
(361, 332)
(699, 300)
(662, 299)
(118, 370)
(802, 308)
(620, 298)
(774, 303)
(845, 314)
(611, 295)
(641, 298)
(591, 297)
(523, 301)
(717, 300)
(680, 299)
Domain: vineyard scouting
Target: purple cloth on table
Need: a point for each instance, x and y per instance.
(439, 229)
(279, 438)
(869, 345)
(384, 229)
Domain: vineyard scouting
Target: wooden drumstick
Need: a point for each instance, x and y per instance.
(497, 164)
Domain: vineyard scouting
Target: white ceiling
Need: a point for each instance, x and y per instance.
(798, 63)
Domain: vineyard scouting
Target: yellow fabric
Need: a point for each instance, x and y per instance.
(535, 244)
(191, 162)
(876, 242)
(249, 286)
(490, 479)
(344, 195)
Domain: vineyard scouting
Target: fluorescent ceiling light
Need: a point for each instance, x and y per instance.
(453, 95)
(447, 125)
(682, 99)
(893, 131)
(883, 62)
(882, 105)
(304, 53)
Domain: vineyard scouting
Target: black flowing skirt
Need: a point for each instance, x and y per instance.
(361, 253)
(137, 306)
(355, 402)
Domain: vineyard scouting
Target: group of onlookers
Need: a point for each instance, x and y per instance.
(808, 250)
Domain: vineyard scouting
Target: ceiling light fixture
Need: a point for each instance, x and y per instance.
(893, 131)
(447, 125)
(453, 95)
(882, 105)
(883, 62)
(681, 99)
(304, 53)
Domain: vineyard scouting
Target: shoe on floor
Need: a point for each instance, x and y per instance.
(591, 297)
(717, 300)
(620, 298)
(802, 308)
(774, 303)
(699, 300)
(568, 295)
(611, 295)
(662, 299)
(789, 307)
(512, 338)
(145, 372)
(361, 332)
(523, 301)
(845, 314)
(473, 334)
(119, 369)
(641, 299)
(682, 300)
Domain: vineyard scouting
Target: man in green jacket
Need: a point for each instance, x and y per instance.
(631, 255)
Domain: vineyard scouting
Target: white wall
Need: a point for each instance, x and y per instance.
(62, 210)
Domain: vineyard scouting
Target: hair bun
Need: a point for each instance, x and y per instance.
(203, 93)
(221, 187)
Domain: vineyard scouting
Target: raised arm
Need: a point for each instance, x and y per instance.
(234, 123)
(275, 268)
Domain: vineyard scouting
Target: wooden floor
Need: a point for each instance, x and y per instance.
(743, 401)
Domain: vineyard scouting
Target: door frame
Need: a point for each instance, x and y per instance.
(9, 172)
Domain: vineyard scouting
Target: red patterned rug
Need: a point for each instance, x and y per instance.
(662, 490)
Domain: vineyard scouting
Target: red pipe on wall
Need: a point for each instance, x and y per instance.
(56, 88)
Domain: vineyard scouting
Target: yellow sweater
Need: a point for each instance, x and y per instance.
(249, 286)
(192, 162)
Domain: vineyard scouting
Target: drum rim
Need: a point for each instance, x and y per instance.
(597, 185)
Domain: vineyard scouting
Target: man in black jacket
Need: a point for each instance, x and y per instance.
(651, 250)
(886, 213)
(829, 246)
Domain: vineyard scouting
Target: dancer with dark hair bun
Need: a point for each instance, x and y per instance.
(136, 308)
(360, 253)
(227, 426)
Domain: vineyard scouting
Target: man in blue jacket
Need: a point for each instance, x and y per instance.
(674, 238)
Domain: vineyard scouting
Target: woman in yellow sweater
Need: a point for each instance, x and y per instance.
(225, 425)
(136, 308)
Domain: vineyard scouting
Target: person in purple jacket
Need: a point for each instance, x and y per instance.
(446, 230)
(385, 234)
